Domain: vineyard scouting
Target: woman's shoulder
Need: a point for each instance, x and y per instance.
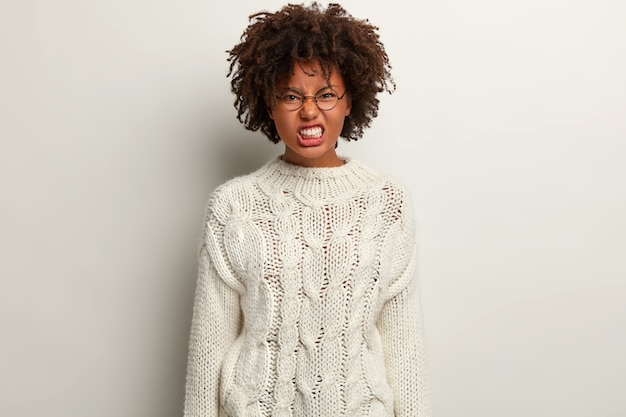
(393, 187)
(237, 187)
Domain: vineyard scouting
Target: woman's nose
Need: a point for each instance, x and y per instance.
(309, 108)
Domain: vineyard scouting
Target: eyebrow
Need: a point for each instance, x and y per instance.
(331, 86)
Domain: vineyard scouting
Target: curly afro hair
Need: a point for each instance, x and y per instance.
(272, 43)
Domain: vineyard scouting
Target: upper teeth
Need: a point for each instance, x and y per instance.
(311, 132)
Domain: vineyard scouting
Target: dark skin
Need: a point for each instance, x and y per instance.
(310, 133)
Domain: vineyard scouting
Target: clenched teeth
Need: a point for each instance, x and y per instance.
(313, 132)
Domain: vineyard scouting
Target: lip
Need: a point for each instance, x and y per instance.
(307, 141)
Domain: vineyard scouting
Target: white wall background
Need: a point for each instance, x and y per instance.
(509, 126)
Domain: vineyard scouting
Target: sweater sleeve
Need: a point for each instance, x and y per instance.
(215, 325)
(400, 326)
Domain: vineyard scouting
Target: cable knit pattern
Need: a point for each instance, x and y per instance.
(306, 303)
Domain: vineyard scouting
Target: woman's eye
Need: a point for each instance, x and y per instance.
(327, 95)
(291, 97)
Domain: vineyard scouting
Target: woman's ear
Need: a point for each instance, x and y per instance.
(349, 105)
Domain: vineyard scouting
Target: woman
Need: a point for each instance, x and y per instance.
(306, 303)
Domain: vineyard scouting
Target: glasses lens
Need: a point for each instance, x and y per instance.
(291, 101)
(327, 99)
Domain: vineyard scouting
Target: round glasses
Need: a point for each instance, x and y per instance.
(325, 99)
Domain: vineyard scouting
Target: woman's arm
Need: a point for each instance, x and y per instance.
(215, 325)
(400, 321)
(401, 332)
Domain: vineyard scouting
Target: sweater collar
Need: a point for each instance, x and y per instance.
(314, 184)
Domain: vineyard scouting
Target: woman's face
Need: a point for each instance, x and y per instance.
(310, 134)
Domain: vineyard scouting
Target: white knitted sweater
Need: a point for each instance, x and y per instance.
(306, 303)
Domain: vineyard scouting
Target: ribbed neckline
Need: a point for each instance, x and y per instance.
(315, 184)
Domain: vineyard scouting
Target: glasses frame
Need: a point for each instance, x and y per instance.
(304, 98)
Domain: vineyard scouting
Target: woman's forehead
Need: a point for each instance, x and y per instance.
(312, 74)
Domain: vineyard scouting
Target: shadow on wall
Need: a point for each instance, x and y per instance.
(244, 152)
(222, 149)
